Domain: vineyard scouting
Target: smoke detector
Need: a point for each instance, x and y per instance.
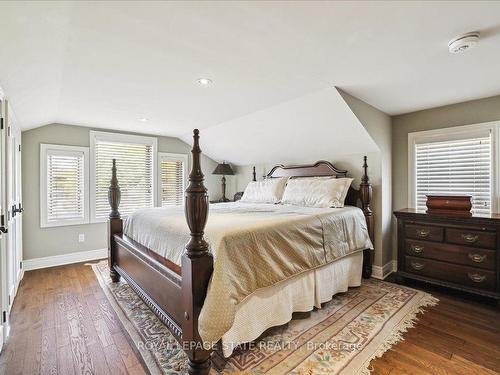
(463, 42)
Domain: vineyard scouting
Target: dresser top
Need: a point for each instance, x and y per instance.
(413, 212)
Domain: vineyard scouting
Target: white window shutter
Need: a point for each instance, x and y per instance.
(134, 162)
(64, 185)
(65, 180)
(172, 177)
(455, 167)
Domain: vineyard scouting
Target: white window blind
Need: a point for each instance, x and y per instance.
(458, 167)
(64, 183)
(172, 176)
(134, 161)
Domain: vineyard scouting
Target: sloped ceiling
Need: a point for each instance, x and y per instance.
(107, 64)
(309, 127)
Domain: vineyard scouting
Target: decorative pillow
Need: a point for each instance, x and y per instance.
(316, 192)
(266, 191)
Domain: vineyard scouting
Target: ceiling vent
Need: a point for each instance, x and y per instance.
(463, 42)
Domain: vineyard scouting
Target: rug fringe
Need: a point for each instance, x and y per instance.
(397, 334)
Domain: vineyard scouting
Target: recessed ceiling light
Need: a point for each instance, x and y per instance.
(143, 119)
(204, 82)
(463, 42)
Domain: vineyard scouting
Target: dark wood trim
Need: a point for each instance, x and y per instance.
(176, 294)
(197, 266)
(365, 196)
(170, 269)
(318, 169)
(115, 223)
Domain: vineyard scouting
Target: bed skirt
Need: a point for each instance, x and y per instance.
(273, 306)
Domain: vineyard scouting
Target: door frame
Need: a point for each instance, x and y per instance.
(10, 169)
(4, 331)
(14, 193)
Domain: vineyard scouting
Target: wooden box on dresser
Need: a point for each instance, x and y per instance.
(453, 251)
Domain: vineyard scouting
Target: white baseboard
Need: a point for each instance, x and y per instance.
(59, 260)
(381, 272)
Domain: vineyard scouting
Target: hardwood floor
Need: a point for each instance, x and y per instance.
(461, 335)
(62, 324)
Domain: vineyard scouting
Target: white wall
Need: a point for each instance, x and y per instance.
(301, 128)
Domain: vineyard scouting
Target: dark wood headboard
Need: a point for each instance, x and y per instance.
(321, 168)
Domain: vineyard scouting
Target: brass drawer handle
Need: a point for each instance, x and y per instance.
(417, 266)
(417, 249)
(470, 238)
(478, 258)
(477, 278)
(423, 233)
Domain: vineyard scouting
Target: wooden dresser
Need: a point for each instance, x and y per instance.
(457, 252)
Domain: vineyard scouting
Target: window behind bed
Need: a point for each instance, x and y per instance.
(172, 174)
(136, 158)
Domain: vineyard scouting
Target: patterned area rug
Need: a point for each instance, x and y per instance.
(340, 338)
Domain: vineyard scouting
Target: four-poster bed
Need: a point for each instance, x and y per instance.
(176, 292)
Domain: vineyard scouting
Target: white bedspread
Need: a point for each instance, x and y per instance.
(254, 246)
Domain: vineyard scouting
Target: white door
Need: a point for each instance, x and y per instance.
(3, 223)
(14, 208)
(10, 219)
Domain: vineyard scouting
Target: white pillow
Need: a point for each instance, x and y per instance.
(316, 192)
(266, 191)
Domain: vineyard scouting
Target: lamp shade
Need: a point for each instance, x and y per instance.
(224, 169)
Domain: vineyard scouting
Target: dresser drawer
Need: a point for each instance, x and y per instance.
(473, 277)
(424, 232)
(468, 256)
(471, 238)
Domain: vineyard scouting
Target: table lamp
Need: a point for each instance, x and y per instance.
(223, 169)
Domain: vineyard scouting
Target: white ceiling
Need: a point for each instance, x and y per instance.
(106, 64)
(313, 127)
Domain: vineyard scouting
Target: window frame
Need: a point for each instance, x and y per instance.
(169, 155)
(45, 148)
(456, 133)
(96, 136)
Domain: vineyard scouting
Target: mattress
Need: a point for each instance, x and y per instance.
(254, 246)
(165, 230)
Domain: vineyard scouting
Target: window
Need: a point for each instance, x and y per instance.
(172, 173)
(64, 185)
(454, 161)
(135, 161)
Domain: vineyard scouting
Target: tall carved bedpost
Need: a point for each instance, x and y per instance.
(254, 175)
(365, 194)
(115, 223)
(197, 267)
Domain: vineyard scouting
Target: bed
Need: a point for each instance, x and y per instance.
(207, 281)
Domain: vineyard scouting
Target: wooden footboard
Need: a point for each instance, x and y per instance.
(176, 298)
(177, 295)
